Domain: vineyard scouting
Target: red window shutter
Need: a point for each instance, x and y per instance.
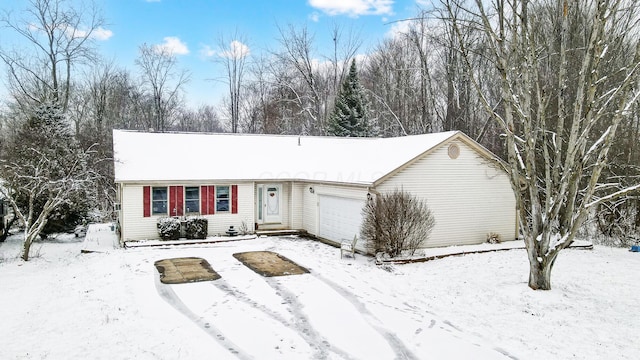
(146, 201)
(172, 201)
(180, 200)
(211, 200)
(176, 200)
(234, 199)
(204, 200)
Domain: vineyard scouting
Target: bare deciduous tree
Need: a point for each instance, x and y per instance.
(233, 57)
(62, 35)
(162, 82)
(298, 54)
(561, 107)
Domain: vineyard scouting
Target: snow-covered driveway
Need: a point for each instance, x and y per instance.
(310, 315)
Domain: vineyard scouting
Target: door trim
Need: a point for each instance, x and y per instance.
(271, 203)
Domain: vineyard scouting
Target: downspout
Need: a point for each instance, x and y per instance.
(517, 234)
(120, 220)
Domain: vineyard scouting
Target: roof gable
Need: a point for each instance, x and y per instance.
(172, 157)
(457, 135)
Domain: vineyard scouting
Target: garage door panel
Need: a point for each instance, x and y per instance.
(340, 218)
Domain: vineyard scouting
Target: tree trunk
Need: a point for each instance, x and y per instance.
(26, 247)
(540, 266)
(539, 275)
(4, 234)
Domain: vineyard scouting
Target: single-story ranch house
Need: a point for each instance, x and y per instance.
(315, 184)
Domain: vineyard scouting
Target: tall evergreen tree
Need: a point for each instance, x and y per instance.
(349, 117)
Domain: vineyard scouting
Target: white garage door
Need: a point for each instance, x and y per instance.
(340, 218)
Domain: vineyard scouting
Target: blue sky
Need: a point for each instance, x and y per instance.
(192, 29)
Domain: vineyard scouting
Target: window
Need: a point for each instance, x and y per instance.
(159, 203)
(222, 198)
(192, 199)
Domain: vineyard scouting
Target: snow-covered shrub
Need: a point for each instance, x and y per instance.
(494, 238)
(396, 222)
(169, 228)
(196, 228)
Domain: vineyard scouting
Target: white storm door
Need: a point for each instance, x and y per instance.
(272, 203)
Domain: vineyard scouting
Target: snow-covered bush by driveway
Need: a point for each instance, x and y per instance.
(196, 228)
(169, 228)
(396, 222)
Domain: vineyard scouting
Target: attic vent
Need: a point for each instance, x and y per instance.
(454, 151)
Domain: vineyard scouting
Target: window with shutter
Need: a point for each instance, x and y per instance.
(159, 200)
(222, 198)
(192, 199)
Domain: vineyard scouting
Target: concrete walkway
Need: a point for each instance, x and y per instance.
(100, 238)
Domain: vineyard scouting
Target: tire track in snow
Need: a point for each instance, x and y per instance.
(167, 293)
(396, 344)
(302, 320)
(314, 340)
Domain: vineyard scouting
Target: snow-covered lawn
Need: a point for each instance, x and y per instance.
(66, 305)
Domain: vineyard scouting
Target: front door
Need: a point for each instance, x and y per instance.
(270, 203)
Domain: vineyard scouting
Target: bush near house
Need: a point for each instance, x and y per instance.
(196, 228)
(169, 228)
(395, 223)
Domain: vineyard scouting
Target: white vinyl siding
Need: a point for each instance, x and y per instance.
(296, 204)
(285, 193)
(134, 226)
(468, 196)
(310, 209)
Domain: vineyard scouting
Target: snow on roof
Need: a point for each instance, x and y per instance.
(142, 156)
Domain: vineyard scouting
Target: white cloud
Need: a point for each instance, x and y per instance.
(398, 28)
(237, 50)
(353, 7)
(172, 45)
(315, 17)
(423, 3)
(102, 34)
(207, 51)
(98, 33)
